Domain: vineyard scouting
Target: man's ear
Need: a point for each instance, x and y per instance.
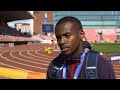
(81, 35)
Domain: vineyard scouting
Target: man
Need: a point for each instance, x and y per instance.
(69, 38)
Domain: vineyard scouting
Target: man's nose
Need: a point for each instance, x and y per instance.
(63, 40)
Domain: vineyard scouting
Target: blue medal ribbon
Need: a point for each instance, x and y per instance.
(77, 70)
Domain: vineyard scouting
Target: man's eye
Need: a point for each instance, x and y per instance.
(67, 35)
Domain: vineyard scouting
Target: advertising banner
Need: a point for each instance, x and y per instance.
(115, 57)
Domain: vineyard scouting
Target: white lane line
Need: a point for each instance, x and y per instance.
(37, 56)
(26, 60)
(117, 65)
(15, 67)
(32, 58)
(117, 75)
(116, 68)
(44, 55)
(20, 63)
(117, 71)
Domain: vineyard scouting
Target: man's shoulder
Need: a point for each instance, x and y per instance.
(103, 62)
(106, 68)
(57, 60)
(85, 42)
(101, 58)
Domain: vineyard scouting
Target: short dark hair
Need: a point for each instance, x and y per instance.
(69, 19)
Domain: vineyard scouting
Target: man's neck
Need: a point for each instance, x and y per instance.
(77, 54)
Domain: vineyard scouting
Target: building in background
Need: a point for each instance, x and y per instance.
(32, 23)
(43, 17)
(98, 25)
(23, 27)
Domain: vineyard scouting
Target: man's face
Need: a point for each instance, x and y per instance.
(68, 38)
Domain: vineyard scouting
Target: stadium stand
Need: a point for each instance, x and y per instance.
(15, 15)
(91, 35)
(107, 34)
(9, 34)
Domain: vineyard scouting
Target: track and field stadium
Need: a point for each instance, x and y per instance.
(22, 49)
